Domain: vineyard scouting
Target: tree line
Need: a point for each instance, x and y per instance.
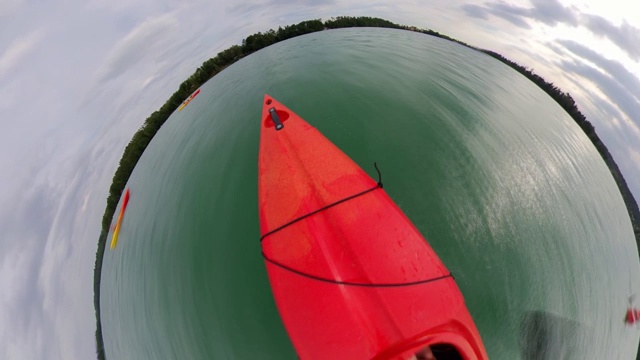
(141, 139)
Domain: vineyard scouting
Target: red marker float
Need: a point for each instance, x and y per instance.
(116, 232)
(632, 316)
(351, 275)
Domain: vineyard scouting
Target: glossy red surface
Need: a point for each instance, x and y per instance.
(356, 280)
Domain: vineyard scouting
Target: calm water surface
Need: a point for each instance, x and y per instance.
(506, 188)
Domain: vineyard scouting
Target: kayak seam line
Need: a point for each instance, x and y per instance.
(317, 211)
(348, 283)
(378, 186)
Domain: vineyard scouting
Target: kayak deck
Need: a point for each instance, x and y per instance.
(351, 276)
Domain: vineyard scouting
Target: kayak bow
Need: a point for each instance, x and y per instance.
(351, 275)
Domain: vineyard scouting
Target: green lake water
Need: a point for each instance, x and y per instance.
(499, 179)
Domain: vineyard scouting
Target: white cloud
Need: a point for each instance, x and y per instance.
(626, 36)
(8, 95)
(635, 157)
(21, 313)
(8, 7)
(17, 50)
(139, 44)
(553, 13)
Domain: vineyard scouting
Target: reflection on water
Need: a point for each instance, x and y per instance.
(545, 336)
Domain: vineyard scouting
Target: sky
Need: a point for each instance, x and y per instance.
(78, 78)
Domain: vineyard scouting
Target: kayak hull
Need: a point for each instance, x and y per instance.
(352, 277)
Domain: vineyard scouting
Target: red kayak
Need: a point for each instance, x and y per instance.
(186, 102)
(352, 277)
(116, 231)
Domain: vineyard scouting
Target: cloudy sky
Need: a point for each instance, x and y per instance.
(77, 78)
